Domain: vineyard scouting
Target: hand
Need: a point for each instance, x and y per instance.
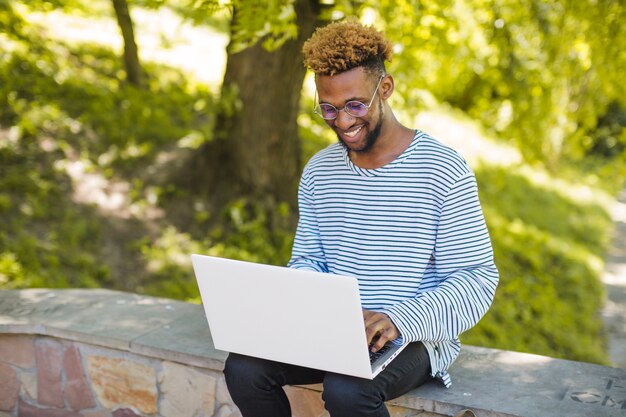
(379, 329)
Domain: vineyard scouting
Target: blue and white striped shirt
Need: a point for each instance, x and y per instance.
(412, 232)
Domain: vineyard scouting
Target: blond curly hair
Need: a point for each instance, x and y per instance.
(342, 46)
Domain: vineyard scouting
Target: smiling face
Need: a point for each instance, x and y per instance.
(358, 134)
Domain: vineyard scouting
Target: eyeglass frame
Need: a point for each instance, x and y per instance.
(367, 106)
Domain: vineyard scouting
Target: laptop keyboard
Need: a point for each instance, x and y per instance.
(375, 355)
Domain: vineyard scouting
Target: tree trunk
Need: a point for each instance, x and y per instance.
(256, 153)
(134, 72)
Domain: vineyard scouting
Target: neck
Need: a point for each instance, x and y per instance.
(393, 140)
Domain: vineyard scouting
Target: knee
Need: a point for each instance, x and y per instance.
(244, 371)
(345, 395)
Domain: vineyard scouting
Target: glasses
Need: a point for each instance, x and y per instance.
(353, 107)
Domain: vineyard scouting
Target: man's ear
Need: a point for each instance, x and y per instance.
(386, 87)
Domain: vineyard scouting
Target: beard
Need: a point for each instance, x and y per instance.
(371, 137)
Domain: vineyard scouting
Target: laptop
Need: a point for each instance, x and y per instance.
(300, 317)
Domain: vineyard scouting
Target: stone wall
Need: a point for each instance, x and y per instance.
(48, 377)
(100, 353)
(44, 376)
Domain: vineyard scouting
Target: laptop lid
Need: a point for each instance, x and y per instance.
(288, 315)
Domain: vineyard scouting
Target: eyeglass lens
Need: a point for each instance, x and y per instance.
(353, 108)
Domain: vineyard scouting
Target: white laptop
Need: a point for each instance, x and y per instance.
(288, 315)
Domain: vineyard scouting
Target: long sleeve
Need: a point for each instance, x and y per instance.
(307, 252)
(462, 263)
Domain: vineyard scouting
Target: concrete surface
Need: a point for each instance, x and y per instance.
(101, 317)
(503, 383)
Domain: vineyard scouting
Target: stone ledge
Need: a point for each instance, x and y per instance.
(150, 326)
(492, 382)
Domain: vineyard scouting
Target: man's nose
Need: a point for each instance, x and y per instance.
(344, 120)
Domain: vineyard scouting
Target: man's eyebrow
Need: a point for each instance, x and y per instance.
(360, 99)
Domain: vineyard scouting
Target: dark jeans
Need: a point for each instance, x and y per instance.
(255, 385)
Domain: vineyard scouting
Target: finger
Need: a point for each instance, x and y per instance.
(369, 320)
(372, 317)
(385, 336)
(391, 331)
(382, 332)
(371, 329)
(381, 341)
(376, 328)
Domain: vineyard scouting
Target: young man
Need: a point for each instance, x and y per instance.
(396, 209)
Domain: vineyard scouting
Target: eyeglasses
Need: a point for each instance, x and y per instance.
(353, 107)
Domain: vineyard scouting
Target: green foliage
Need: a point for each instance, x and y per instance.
(506, 65)
(213, 13)
(270, 20)
(45, 239)
(246, 231)
(608, 138)
(538, 72)
(254, 232)
(80, 96)
(60, 107)
(528, 193)
(10, 22)
(167, 258)
(548, 249)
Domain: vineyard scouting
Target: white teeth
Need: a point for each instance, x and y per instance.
(353, 133)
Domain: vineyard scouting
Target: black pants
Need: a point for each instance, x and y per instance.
(255, 385)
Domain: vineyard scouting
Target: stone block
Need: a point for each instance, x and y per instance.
(9, 387)
(222, 396)
(125, 412)
(76, 391)
(186, 392)
(28, 382)
(28, 410)
(227, 410)
(305, 402)
(17, 350)
(49, 357)
(493, 382)
(121, 383)
(187, 340)
(395, 411)
(97, 316)
(98, 413)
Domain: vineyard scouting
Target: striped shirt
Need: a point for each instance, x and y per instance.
(412, 232)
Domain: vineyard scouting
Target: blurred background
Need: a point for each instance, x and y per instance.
(136, 132)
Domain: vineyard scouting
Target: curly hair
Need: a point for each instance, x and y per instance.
(342, 46)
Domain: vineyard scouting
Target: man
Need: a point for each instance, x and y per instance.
(396, 209)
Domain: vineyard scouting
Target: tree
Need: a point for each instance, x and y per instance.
(256, 151)
(134, 71)
(508, 67)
